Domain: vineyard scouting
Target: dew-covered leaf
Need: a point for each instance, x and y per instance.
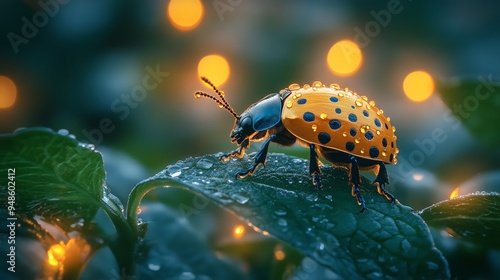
(54, 176)
(475, 103)
(472, 217)
(386, 241)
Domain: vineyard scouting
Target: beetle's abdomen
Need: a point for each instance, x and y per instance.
(339, 119)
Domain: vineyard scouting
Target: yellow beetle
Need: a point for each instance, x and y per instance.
(344, 128)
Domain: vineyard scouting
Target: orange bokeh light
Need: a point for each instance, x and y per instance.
(418, 86)
(185, 15)
(8, 92)
(215, 67)
(344, 58)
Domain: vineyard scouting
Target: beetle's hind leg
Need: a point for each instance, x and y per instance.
(355, 180)
(381, 180)
(314, 170)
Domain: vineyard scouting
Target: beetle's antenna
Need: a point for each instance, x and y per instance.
(221, 103)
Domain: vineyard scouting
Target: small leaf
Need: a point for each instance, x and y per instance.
(473, 217)
(386, 241)
(54, 176)
(475, 103)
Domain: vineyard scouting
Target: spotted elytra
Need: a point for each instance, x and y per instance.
(336, 123)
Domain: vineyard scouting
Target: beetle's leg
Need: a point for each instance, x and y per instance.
(239, 152)
(314, 170)
(382, 179)
(355, 180)
(260, 158)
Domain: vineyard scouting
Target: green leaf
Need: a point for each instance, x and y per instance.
(54, 176)
(473, 217)
(386, 241)
(475, 103)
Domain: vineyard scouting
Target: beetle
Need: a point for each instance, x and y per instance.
(346, 129)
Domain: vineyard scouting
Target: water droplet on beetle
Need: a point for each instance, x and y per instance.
(368, 107)
(294, 87)
(335, 86)
(393, 129)
(378, 132)
(197, 95)
(314, 127)
(356, 140)
(363, 150)
(323, 116)
(289, 104)
(341, 94)
(306, 86)
(317, 84)
(372, 103)
(344, 134)
(362, 129)
(359, 103)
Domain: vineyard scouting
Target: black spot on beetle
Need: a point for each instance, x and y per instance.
(377, 122)
(324, 137)
(353, 118)
(335, 124)
(353, 132)
(334, 99)
(302, 101)
(384, 142)
(365, 113)
(308, 116)
(391, 157)
(338, 110)
(374, 152)
(349, 146)
(386, 126)
(369, 135)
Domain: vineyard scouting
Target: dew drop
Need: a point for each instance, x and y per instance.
(341, 94)
(368, 106)
(241, 199)
(289, 104)
(154, 267)
(363, 150)
(364, 98)
(312, 197)
(280, 212)
(298, 95)
(384, 154)
(63, 132)
(282, 222)
(359, 103)
(174, 171)
(356, 140)
(388, 119)
(362, 129)
(323, 116)
(294, 87)
(378, 132)
(344, 134)
(220, 106)
(204, 164)
(314, 127)
(372, 103)
(393, 129)
(197, 95)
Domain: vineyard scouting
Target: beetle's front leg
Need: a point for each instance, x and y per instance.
(260, 158)
(239, 152)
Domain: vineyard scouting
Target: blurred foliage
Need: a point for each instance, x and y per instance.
(473, 218)
(475, 103)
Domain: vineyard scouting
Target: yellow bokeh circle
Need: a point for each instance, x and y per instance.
(185, 14)
(215, 67)
(418, 86)
(344, 58)
(8, 92)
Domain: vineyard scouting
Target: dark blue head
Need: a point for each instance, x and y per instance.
(259, 117)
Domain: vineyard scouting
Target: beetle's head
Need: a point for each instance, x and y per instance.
(259, 117)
